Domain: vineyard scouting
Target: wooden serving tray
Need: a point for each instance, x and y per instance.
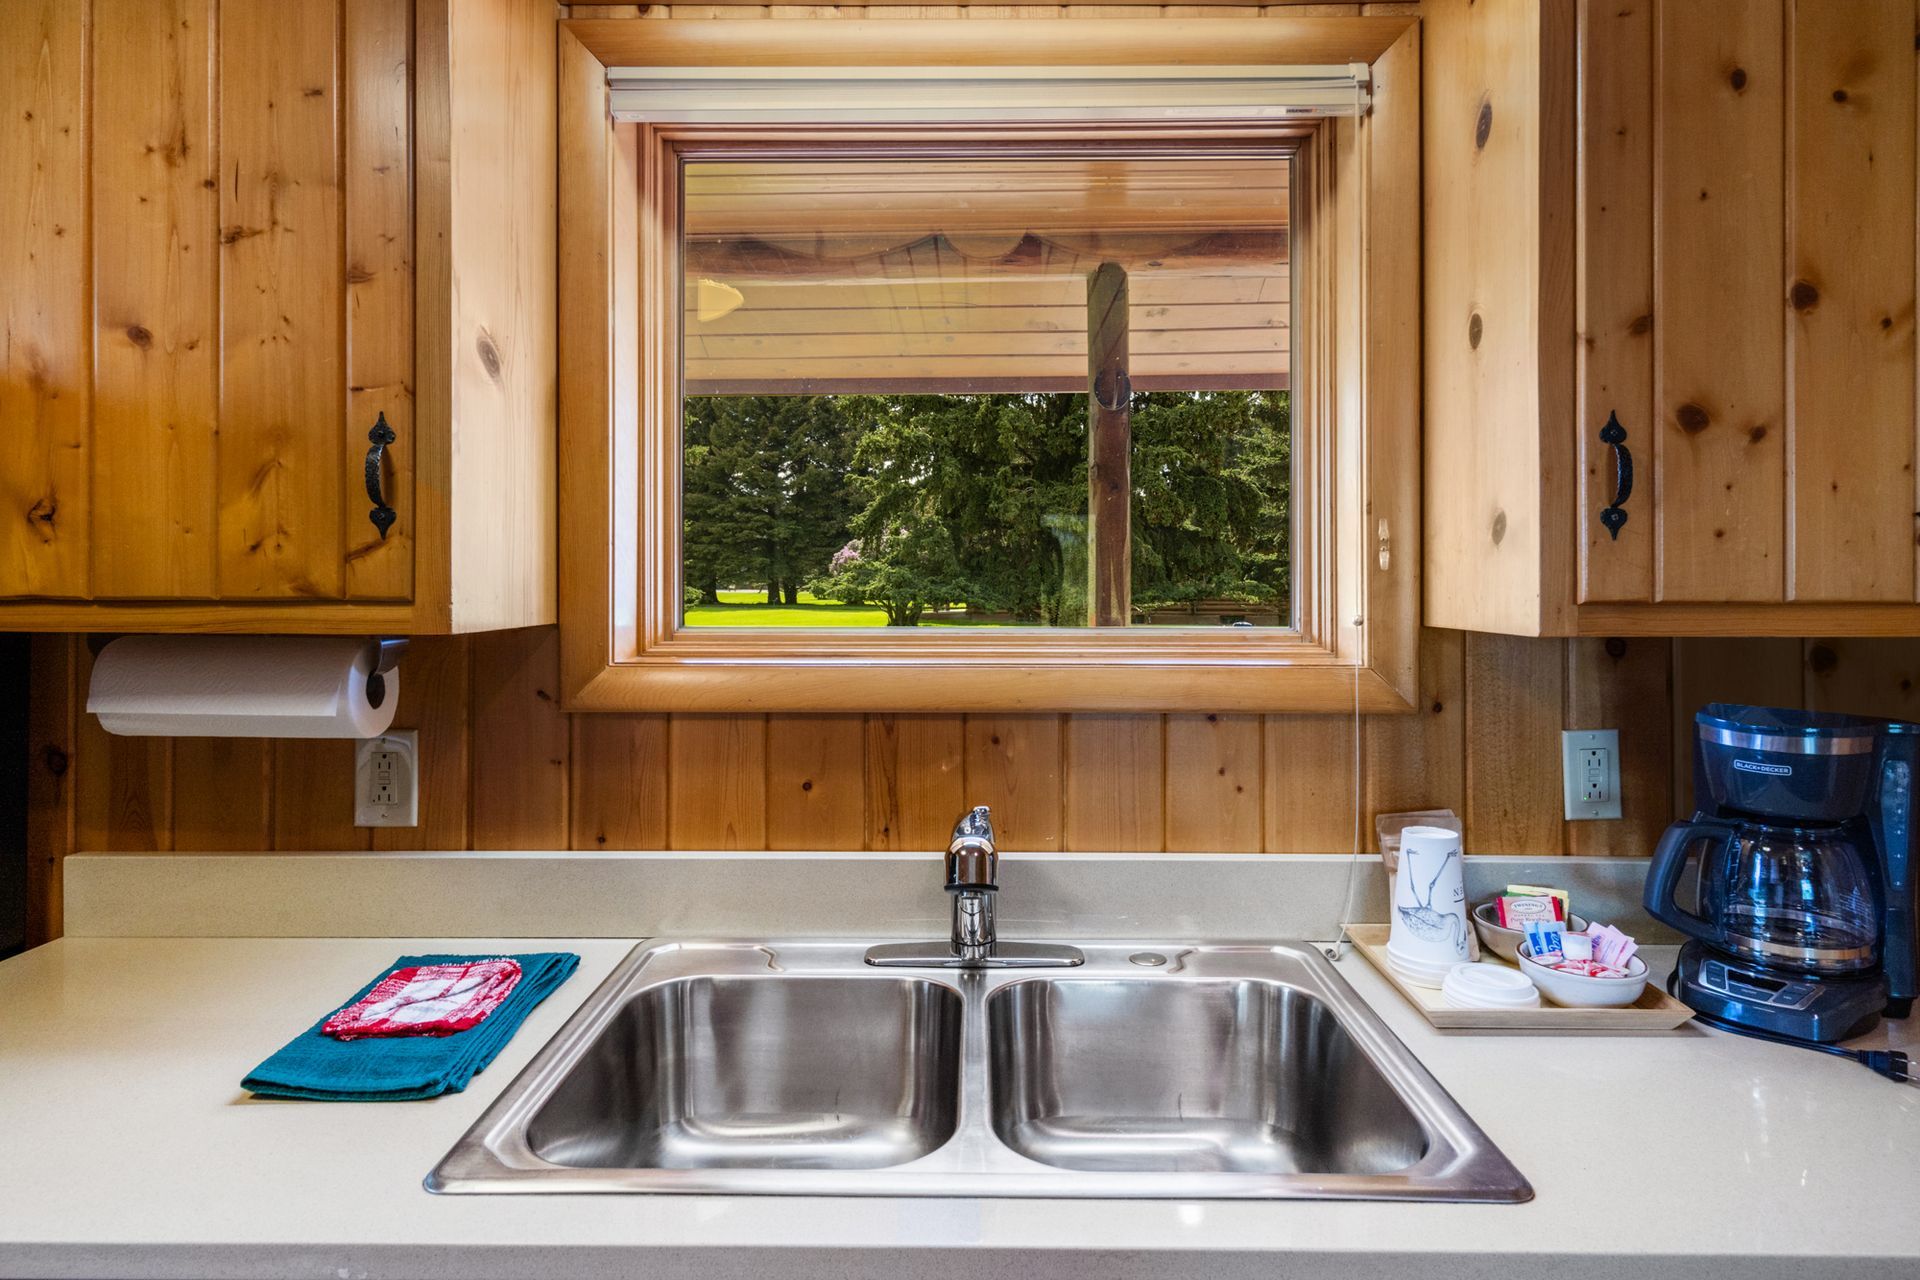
(1655, 1010)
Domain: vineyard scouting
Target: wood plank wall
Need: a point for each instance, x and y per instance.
(504, 768)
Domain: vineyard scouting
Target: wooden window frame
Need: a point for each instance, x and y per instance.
(1355, 369)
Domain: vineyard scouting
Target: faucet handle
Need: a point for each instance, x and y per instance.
(975, 823)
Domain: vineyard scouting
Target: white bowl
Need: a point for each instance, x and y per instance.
(1499, 939)
(1578, 991)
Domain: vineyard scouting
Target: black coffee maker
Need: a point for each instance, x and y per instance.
(1804, 919)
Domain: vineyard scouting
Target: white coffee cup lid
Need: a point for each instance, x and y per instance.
(1489, 986)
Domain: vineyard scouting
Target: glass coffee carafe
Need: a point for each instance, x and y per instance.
(1804, 899)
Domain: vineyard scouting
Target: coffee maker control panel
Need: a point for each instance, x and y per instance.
(1754, 988)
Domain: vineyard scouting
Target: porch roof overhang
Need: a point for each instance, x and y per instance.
(887, 276)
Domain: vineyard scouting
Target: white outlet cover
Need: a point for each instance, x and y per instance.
(1574, 743)
(393, 758)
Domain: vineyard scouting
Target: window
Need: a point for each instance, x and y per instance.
(1074, 411)
(886, 418)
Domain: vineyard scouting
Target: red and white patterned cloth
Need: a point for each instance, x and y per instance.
(427, 1000)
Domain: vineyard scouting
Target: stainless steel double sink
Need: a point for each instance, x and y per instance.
(1190, 1071)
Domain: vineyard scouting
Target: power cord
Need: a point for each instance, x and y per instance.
(1890, 1063)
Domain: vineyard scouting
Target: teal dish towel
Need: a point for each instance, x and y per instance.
(401, 1068)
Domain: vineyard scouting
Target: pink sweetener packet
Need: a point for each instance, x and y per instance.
(1611, 947)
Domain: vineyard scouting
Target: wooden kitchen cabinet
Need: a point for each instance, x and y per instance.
(1696, 220)
(240, 234)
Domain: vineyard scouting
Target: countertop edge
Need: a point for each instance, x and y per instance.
(1066, 1261)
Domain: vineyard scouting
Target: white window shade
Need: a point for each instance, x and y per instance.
(721, 95)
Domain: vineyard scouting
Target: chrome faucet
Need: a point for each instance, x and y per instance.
(972, 869)
(973, 865)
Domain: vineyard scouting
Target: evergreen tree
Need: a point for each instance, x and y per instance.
(1212, 491)
(766, 498)
(917, 502)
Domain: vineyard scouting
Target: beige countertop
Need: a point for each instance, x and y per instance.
(131, 1150)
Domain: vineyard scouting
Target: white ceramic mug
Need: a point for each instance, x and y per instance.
(1429, 923)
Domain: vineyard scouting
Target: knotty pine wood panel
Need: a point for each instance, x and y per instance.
(916, 779)
(1418, 761)
(1864, 677)
(1486, 458)
(46, 354)
(156, 227)
(1719, 371)
(1213, 783)
(1310, 785)
(816, 786)
(377, 111)
(1850, 218)
(717, 782)
(519, 795)
(1013, 764)
(502, 768)
(314, 807)
(502, 322)
(618, 783)
(1515, 694)
(283, 384)
(1115, 771)
(1614, 288)
(223, 794)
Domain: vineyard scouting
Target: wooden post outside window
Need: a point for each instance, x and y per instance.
(1109, 451)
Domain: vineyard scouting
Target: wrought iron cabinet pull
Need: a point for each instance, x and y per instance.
(382, 515)
(1614, 515)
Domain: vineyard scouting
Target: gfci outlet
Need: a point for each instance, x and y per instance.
(1590, 772)
(386, 780)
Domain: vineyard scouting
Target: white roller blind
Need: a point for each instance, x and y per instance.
(716, 95)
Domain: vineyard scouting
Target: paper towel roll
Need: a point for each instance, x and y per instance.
(241, 687)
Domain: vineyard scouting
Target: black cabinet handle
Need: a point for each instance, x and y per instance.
(382, 515)
(1612, 515)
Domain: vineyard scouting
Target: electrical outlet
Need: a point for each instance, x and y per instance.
(1590, 773)
(386, 780)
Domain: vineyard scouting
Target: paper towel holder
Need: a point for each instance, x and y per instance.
(388, 650)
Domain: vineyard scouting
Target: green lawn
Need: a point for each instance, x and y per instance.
(750, 609)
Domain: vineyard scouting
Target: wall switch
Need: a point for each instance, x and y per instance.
(1590, 773)
(386, 780)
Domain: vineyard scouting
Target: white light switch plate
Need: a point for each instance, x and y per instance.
(386, 780)
(1590, 773)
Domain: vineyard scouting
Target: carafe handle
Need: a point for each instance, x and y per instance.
(1663, 875)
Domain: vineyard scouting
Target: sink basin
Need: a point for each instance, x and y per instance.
(761, 1073)
(1212, 1076)
(1166, 1070)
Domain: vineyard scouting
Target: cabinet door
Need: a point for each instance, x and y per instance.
(1747, 299)
(215, 298)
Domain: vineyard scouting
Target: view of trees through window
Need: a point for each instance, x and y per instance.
(926, 510)
(887, 421)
